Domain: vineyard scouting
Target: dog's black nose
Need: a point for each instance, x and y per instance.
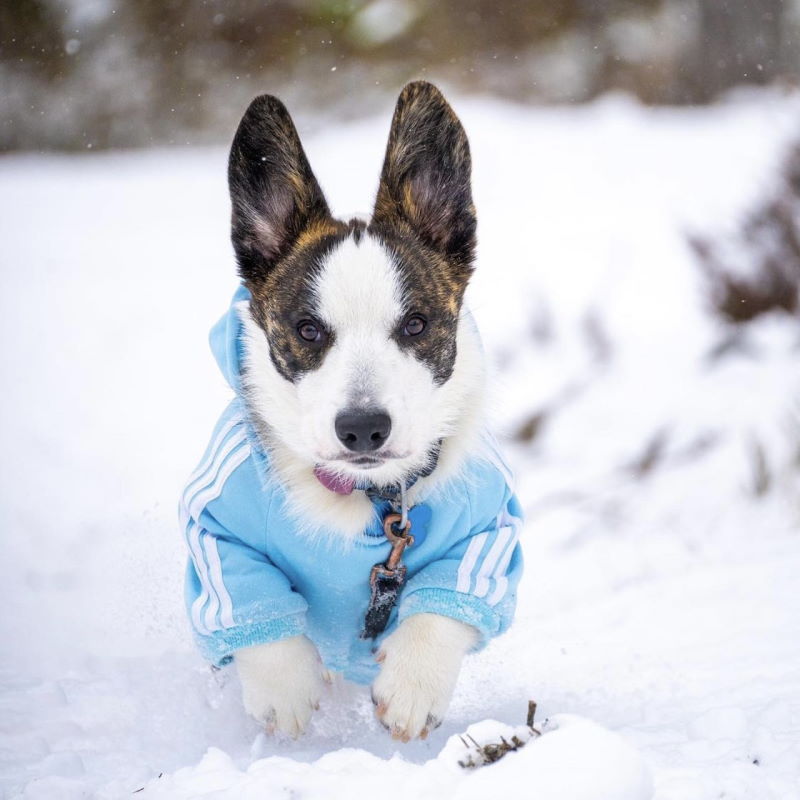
(362, 431)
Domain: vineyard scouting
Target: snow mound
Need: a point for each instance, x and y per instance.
(573, 758)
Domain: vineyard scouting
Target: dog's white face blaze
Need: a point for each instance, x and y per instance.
(360, 300)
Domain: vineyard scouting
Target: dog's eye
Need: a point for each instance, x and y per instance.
(309, 331)
(414, 325)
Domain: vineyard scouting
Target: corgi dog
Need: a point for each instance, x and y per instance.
(358, 385)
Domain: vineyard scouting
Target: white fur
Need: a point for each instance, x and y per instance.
(420, 665)
(282, 683)
(361, 301)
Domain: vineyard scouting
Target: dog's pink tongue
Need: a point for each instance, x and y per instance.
(336, 483)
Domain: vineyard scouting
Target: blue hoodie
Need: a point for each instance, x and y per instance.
(253, 578)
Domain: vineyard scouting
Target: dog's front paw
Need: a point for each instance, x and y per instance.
(420, 664)
(282, 683)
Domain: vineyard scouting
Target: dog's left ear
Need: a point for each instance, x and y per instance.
(274, 194)
(425, 181)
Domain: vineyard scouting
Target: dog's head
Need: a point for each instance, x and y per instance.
(356, 362)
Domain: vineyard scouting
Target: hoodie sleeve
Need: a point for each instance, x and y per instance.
(235, 596)
(475, 581)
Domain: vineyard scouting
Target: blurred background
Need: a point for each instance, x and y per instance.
(81, 74)
(637, 181)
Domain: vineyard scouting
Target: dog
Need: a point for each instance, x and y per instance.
(351, 513)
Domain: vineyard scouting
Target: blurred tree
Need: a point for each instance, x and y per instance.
(135, 72)
(30, 36)
(736, 42)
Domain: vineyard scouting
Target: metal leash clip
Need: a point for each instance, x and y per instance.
(386, 579)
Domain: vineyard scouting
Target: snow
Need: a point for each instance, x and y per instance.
(659, 619)
(610, 768)
(606, 765)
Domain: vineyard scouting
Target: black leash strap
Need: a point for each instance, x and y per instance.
(387, 578)
(385, 587)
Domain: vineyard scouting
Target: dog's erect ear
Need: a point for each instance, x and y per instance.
(425, 180)
(274, 194)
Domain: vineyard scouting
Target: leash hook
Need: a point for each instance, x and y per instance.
(386, 579)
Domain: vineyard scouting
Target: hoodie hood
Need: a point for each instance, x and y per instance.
(226, 341)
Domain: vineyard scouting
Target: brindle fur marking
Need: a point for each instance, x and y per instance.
(285, 296)
(425, 217)
(430, 289)
(274, 195)
(282, 228)
(425, 181)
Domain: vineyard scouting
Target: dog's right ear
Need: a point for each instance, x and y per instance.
(274, 194)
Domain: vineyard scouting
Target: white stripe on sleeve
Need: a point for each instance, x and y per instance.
(212, 491)
(210, 476)
(206, 560)
(193, 537)
(212, 451)
(504, 535)
(469, 560)
(501, 581)
(219, 598)
(222, 600)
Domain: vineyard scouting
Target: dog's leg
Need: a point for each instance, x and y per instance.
(420, 664)
(282, 683)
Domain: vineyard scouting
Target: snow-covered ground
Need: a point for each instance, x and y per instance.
(659, 619)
